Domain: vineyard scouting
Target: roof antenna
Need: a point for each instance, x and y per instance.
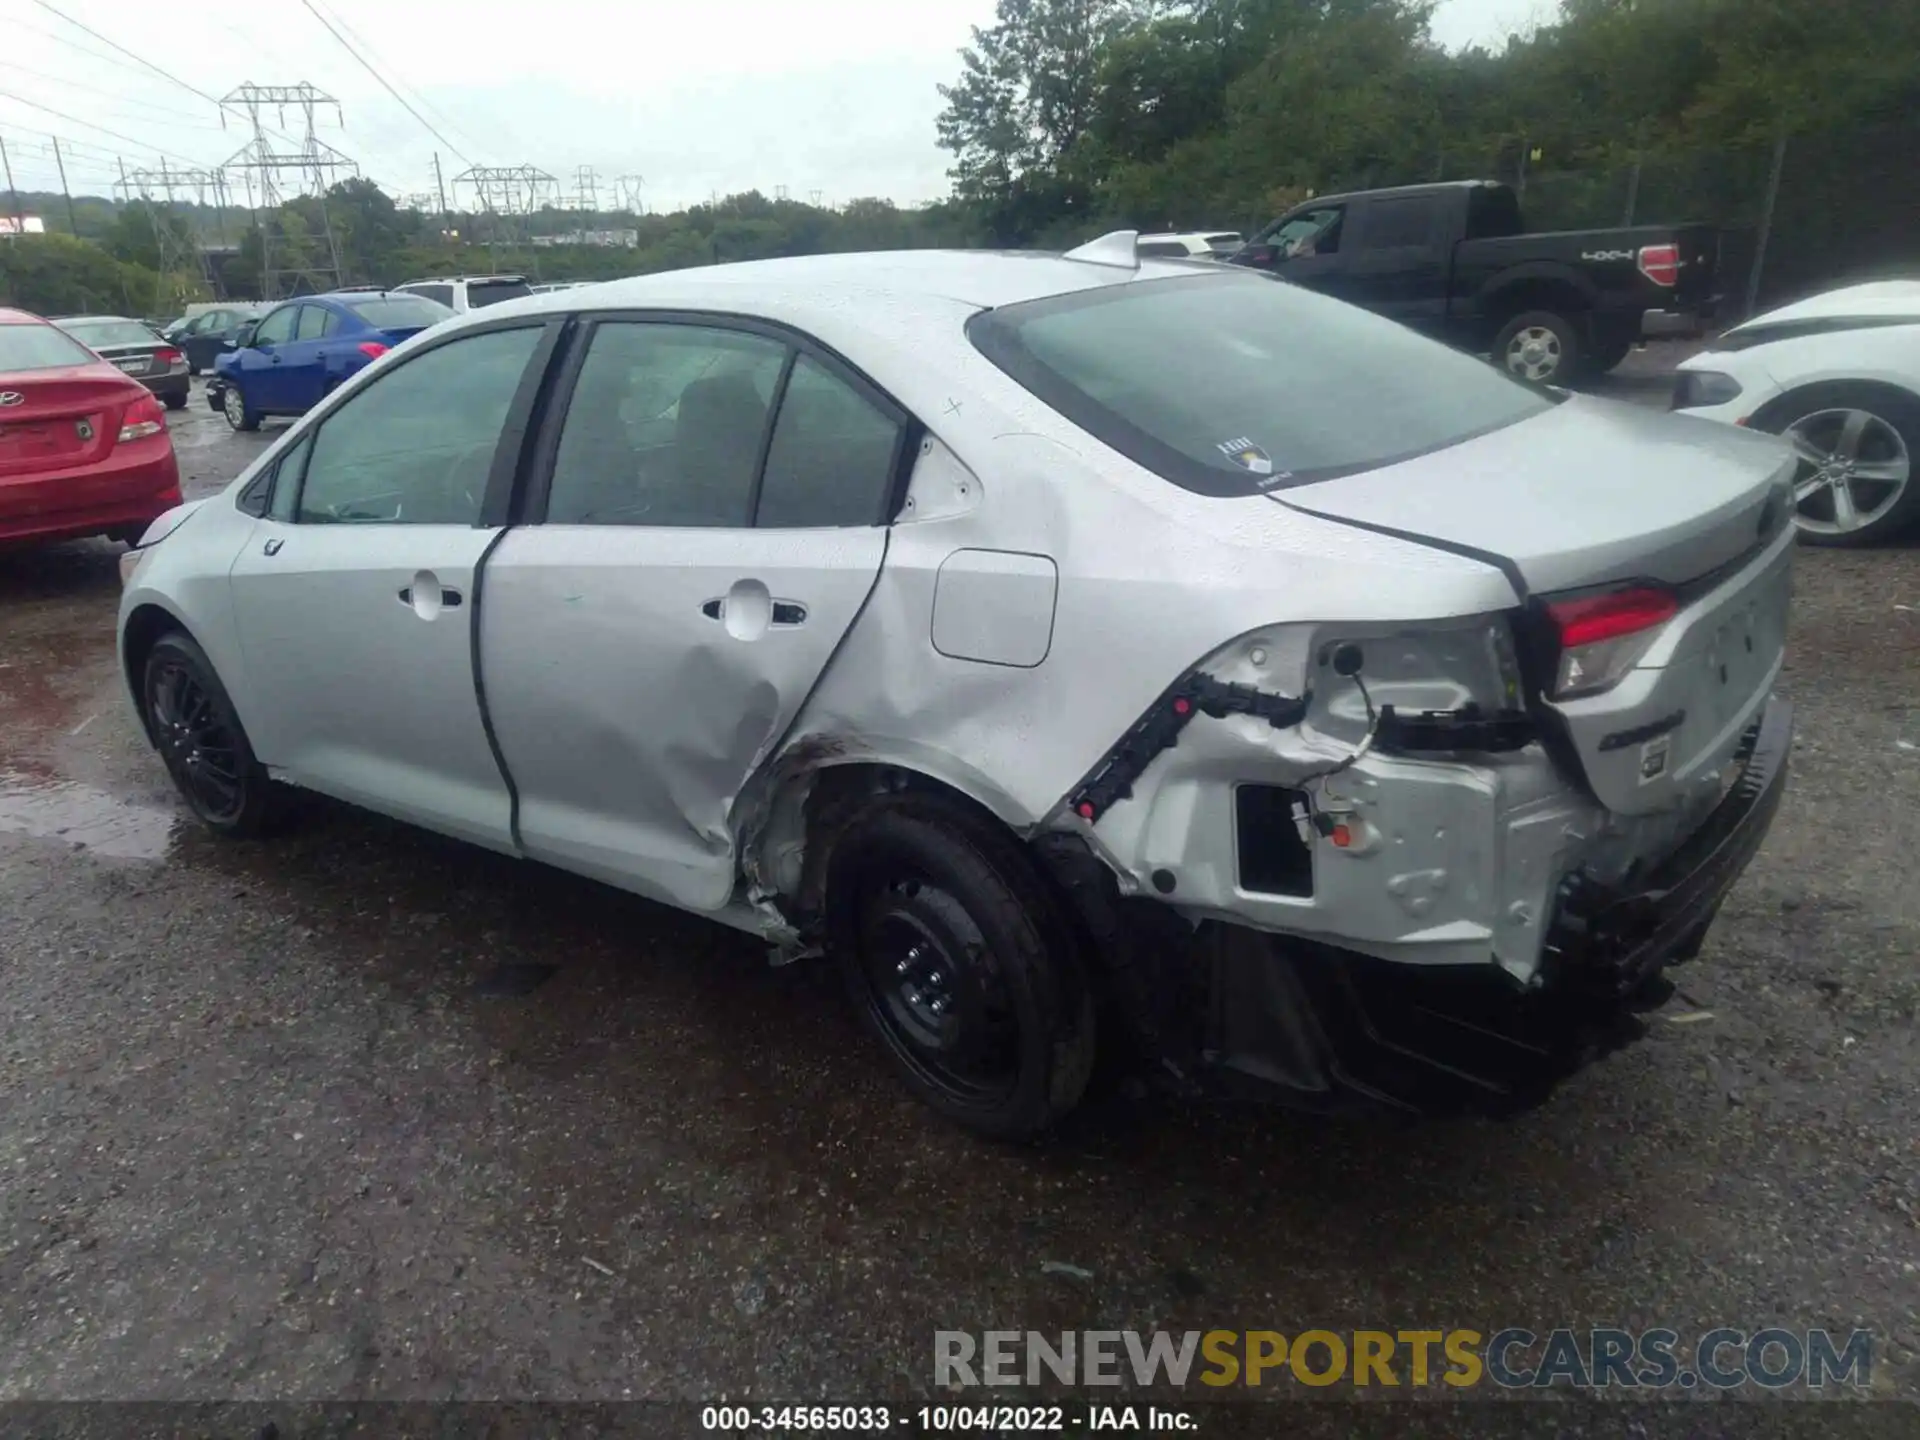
(1117, 248)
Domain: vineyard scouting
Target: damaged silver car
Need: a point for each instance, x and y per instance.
(1080, 651)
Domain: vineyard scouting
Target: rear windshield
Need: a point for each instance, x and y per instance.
(101, 334)
(492, 292)
(400, 312)
(1235, 384)
(38, 347)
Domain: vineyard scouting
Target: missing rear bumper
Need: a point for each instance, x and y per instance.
(1274, 1017)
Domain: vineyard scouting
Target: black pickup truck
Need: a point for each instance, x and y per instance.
(1456, 261)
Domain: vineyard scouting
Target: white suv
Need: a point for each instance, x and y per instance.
(468, 292)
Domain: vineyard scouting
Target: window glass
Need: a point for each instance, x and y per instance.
(492, 292)
(831, 462)
(441, 293)
(288, 472)
(38, 347)
(399, 312)
(1315, 233)
(415, 447)
(1399, 224)
(665, 427)
(277, 328)
(1277, 386)
(105, 334)
(314, 323)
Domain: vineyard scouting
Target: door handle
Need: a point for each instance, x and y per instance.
(789, 612)
(715, 609)
(450, 598)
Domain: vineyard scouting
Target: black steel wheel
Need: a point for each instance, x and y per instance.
(960, 959)
(200, 738)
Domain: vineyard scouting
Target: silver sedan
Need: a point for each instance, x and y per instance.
(1077, 650)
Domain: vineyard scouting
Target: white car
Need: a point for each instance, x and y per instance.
(1329, 714)
(1191, 245)
(461, 293)
(1839, 376)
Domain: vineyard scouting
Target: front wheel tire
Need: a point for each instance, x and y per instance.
(240, 415)
(199, 736)
(958, 957)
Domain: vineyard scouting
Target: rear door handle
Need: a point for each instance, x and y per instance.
(450, 598)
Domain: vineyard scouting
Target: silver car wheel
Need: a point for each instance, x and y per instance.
(1854, 469)
(233, 406)
(1534, 353)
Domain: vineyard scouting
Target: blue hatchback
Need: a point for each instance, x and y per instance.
(301, 350)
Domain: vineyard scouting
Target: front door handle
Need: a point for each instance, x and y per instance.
(421, 601)
(789, 612)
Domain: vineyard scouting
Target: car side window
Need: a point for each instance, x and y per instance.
(314, 323)
(665, 427)
(1317, 232)
(416, 446)
(833, 455)
(442, 293)
(1398, 224)
(277, 328)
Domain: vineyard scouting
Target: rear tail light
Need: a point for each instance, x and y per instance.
(1602, 637)
(144, 417)
(1660, 263)
(169, 358)
(372, 349)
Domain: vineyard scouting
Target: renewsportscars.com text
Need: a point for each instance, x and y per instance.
(1720, 1359)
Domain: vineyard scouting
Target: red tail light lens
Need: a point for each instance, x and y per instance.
(1660, 263)
(168, 358)
(144, 417)
(372, 349)
(1602, 637)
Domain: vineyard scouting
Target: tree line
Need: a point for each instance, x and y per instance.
(1067, 117)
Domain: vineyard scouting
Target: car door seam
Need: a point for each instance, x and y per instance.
(480, 688)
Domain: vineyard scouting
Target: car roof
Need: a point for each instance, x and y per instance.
(463, 280)
(1877, 299)
(981, 279)
(20, 317)
(115, 319)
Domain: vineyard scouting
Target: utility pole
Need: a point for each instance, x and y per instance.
(446, 218)
(72, 223)
(13, 195)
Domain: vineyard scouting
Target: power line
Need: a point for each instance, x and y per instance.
(145, 108)
(111, 45)
(383, 81)
(372, 52)
(76, 120)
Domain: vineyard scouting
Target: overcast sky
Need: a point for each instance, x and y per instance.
(713, 96)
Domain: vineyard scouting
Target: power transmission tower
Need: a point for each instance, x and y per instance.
(510, 191)
(283, 174)
(161, 190)
(630, 196)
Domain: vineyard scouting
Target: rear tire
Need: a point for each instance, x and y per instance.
(1605, 358)
(1859, 448)
(1540, 347)
(177, 400)
(959, 958)
(199, 736)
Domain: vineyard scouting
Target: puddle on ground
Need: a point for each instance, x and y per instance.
(83, 815)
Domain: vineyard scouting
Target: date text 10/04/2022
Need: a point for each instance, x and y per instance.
(941, 1419)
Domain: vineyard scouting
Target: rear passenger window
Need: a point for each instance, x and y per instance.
(314, 323)
(665, 427)
(833, 456)
(1399, 224)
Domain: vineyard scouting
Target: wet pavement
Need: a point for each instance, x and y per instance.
(363, 1113)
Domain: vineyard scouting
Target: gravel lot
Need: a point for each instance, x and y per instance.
(301, 1121)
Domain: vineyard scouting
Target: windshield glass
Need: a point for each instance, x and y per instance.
(1235, 384)
(492, 292)
(38, 347)
(400, 312)
(104, 334)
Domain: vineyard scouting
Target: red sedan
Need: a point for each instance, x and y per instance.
(84, 450)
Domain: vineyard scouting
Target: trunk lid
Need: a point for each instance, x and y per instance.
(1587, 493)
(1589, 496)
(64, 418)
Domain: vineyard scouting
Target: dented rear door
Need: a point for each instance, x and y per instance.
(712, 529)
